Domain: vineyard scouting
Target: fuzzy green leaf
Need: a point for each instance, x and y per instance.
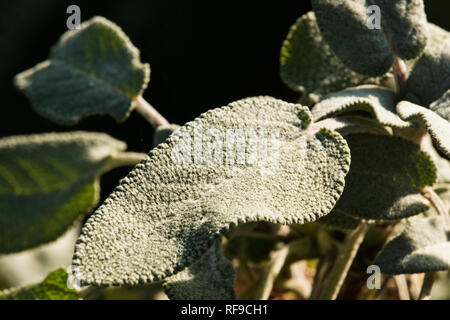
(309, 66)
(46, 182)
(378, 101)
(404, 22)
(210, 278)
(339, 220)
(437, 127)
(92, 70)
(430, 77)
(343, 25)
(53, 287)
(424, 246)
(167, 212)
(386, 177)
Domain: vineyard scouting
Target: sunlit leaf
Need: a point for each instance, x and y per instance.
(92, 70)
(167, 212)
(53, 287)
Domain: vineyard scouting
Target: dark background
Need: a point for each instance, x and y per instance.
(202, 54)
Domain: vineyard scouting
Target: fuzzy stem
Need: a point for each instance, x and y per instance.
(427, 285)
(401, 75)
(123, 159)
(345, 259)
(149, 113)
(402, 287)
(438, 204)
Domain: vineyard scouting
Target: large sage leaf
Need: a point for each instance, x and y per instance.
(53, 287)
(437, 127)
(309, 66)
(430, 77)
(378, 101)
(46, 182)
(207, 178)
(210, 278)
(423, 246)
(367, 50)
(385, 179)
(92, 70)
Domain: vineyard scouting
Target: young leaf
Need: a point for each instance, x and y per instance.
(404, 22)
(385, 179)
(210, 278)
(423, 246)
(430, 77)
(309, 66)
(46, 182)
(378, 101)
(364, 50)
(207, 178)
(437, 127)
(92, 70)
(53, 287)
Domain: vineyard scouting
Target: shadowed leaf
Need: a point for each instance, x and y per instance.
(93, 70)
(46, 182)
(423, 246)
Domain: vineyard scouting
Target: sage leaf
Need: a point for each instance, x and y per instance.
(53, 287)
(405, 23)
(437, 127)
(163, 132)
(200, 183)
(363, 50)
(339, 220)
(309, 66)
(385, 179)
(46, 182)
(442, 106)
(92, 70)
(210, 278)
(429, 78)
(378, 101)
(424, 246)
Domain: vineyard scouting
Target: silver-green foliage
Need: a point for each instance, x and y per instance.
(46, 182)
(424, 246)
(92, 70)
(166, 213)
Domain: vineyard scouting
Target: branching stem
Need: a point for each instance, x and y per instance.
(344, 260)
(149, 113)
(401, 75)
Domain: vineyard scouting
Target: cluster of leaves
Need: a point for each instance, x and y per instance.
(358, 153)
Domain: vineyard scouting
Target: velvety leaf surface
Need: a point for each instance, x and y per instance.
(437, 127)
(378, 101)
(53, 287)
(210, 278)
(343, 25)
(338, 219)
(405, 23)
(430, 77)
(309, 66)
(424, 246)
(385, 178)
(163, 132)
(46, 182)
(167, 212)
(93, 70)
(442, 106)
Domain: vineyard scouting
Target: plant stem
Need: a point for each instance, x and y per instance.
(438, 204)
(149, 113)
(402, 287)
(344, 260)
(123, 159)
(401, 75)
(427, 285)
